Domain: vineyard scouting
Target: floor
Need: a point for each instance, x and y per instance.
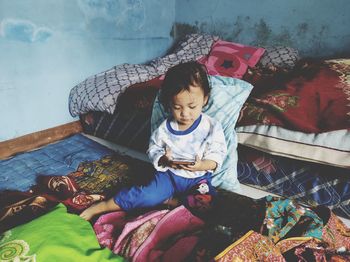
(245, 190)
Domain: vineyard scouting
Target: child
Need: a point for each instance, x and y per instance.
(187, 134)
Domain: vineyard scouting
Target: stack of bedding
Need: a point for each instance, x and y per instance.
(293, 130)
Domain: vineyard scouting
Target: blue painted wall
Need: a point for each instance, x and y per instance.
(48, 46)
(314, 27)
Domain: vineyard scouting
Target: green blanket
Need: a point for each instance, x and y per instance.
(55, 236)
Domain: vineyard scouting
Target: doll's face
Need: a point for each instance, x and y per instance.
(203, 188)
(187, 106)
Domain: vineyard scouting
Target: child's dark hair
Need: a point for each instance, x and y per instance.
(180, 77)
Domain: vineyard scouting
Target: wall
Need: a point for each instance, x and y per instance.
(316, 28)
(48, 46)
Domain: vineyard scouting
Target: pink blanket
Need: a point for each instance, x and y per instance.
(154, 236)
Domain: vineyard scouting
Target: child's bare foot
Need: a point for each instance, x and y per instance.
(99, 208)
(91, 211)
(172, 202)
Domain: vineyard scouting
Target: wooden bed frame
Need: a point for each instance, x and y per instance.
(38, 139)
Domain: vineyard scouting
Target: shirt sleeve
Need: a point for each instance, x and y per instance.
(216, 149)
(156, 148)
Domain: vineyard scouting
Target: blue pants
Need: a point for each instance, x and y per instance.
(162, 187)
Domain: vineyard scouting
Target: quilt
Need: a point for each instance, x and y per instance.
(314, 98)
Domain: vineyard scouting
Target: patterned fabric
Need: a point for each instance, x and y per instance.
(17, 208)
(251, 247)
(334, 245)
(55, 236)
(151, 236)
(305, 239)
(130, 124)
(279, 57)
(92, 182)
(336, 234)
(284, 214)
(305, 182)
(231, 59)
(227, 96)
(61, 158)
(95, 180)
(100, 92)
(311, 99)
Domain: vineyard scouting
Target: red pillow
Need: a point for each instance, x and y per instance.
(231, 59)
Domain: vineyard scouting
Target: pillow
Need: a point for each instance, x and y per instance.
(225, 102)
(280, 57)
(306, 117)
(330, 148)
(231, 59)
(100, 92)
(55, 236)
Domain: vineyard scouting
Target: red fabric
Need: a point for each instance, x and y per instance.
(149, 237)
(317, 104)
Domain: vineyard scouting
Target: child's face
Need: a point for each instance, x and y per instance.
(187, 106)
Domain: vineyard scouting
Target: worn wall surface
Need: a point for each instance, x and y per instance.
(315, 27)
(48, 46)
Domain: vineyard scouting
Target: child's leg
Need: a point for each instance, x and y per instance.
(160, 189)
(99, 208)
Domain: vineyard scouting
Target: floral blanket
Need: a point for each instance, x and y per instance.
(313, 98)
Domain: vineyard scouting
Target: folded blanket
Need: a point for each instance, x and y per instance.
(100, 92)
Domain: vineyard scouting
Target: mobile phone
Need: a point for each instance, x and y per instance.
(181, 161)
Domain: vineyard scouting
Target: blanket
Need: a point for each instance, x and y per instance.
(93, 181)
(100, 92)
(55, 236)
(312, 98)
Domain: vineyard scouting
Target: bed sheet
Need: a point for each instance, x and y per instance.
(306, 182)
(61, 158)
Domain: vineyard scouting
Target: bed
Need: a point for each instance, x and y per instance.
(283, 152)
(292, 131)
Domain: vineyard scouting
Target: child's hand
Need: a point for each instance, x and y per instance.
(165, 160)
(200, 165)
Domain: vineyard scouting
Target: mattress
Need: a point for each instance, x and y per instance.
(61, 158)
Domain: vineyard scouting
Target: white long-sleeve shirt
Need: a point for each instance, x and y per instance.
(205, 139)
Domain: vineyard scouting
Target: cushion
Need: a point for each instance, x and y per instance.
(330, 148)
(100, 92)
(305, 117)
(55, 236)
(226, 99)
(281, 57)
(231, 59)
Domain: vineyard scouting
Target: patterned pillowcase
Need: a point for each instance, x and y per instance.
(225, 102)
(280, 57)
(231, 59)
